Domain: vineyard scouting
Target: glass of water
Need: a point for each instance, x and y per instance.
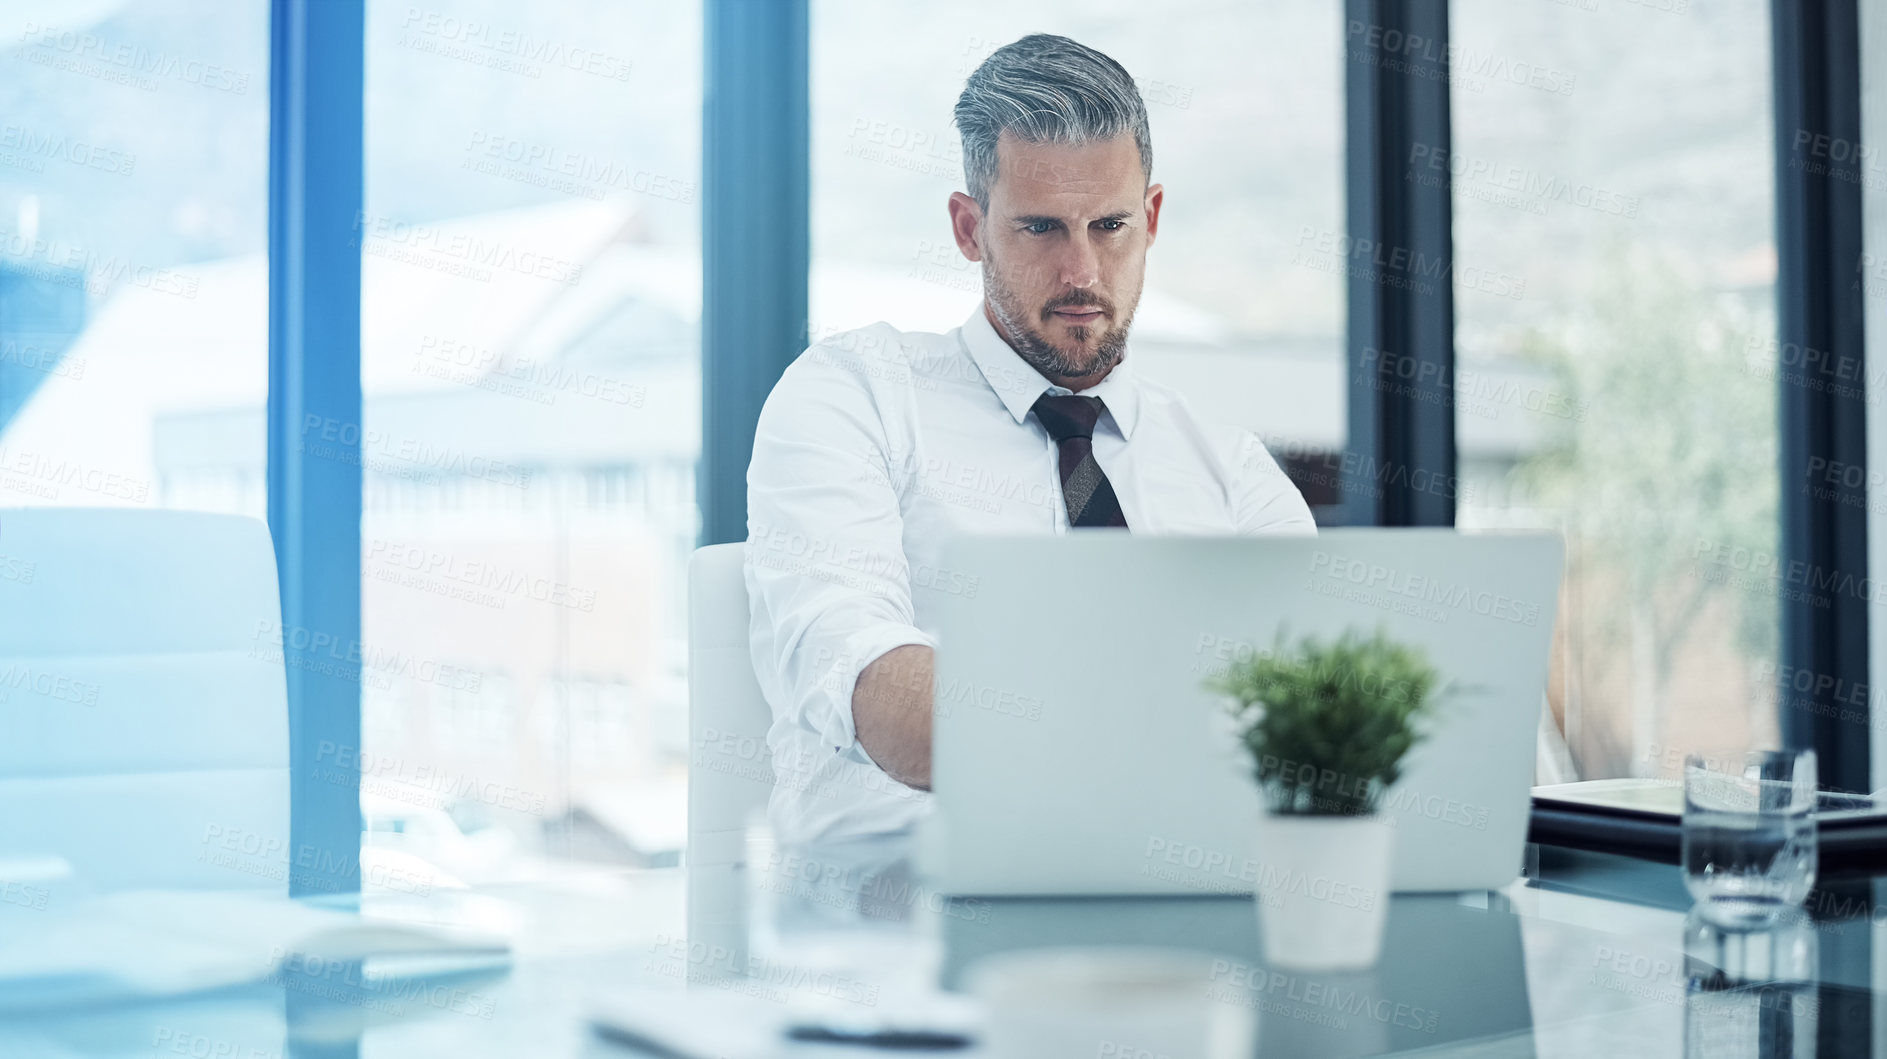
(1749, 837)
(844, 926)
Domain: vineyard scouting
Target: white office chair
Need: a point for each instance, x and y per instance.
(143, 706)
(730, 775)
(730, 771)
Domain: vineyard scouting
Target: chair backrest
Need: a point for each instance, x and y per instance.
(143, 705)
(730, 771)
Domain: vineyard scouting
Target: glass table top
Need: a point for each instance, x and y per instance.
(1552, 965)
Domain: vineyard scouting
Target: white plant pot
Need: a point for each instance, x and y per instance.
(1322, 890)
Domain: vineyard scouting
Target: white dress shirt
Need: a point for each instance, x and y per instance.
(874, 448)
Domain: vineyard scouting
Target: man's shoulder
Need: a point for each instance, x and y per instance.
(1244, 452)
(1166, 407)
(880, 364)
(874, 351)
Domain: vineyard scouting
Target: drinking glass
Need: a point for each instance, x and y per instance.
(1749, 838)
(845, 927)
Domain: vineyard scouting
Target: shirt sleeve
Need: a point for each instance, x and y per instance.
(827, 578)
(1264, 499)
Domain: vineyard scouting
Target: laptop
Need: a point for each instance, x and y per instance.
(1077, 751)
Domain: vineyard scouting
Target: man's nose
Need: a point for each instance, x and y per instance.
(1081, 264)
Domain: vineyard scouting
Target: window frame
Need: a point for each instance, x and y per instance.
(1817, 71)
(316, 147)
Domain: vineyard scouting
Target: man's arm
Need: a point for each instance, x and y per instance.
(891, 710)
(828, 581)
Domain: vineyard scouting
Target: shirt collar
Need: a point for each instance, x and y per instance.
(1018, 383)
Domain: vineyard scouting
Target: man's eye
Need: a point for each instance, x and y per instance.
(1113, 226)
(1041, 227)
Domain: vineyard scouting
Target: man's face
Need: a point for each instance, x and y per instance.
(1064, 251)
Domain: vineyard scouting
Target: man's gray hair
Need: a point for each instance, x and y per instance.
(1046, 89)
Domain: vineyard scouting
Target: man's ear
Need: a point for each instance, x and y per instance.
(1156, 195)
(966, 224)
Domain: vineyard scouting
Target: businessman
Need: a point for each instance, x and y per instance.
(876, 446)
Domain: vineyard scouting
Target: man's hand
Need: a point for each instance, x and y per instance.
(891, 712)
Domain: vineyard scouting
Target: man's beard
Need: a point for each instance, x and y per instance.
(1045, 356)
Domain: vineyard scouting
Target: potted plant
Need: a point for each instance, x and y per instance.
(1326, 726)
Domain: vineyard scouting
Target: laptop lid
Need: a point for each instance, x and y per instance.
(1077, 751)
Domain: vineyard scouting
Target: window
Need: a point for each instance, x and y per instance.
(1243, 307)
(133, 276)
(530, 367)
(1614, 293)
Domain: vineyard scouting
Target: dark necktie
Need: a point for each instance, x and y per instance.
(1070, 420)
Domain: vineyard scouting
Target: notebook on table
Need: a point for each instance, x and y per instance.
(145, 944)
(1643, 817)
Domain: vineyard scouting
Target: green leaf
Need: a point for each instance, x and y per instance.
(1327, 724)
